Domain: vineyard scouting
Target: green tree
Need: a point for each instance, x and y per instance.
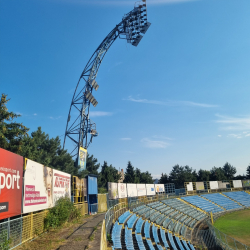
(108, 174)
(229, 171)
(48, 151)
(92, 165)
(163, 179)
(146, 178)
(203, 175)
(180, 174)
(129, 174)
(248, 172)
(11, 133)
(217, 174)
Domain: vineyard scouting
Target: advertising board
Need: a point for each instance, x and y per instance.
(213, 184)
(38, 187)
(122, 190)
(61, 185)
(246, 183)
(141, 189)
(11, 182)
(132, 190)
(190, 186)
(200, 185)
(223, 184)
(112, 189)
(237, 184)
(82, 159)
(150, 189)
(159, 188)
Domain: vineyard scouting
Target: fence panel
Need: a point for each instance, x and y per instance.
(102, 202)
(103, 242)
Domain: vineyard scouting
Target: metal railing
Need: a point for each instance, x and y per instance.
(27, 227)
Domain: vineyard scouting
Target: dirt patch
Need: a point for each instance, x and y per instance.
(73, 236)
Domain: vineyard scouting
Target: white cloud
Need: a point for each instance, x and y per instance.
(125, 139)
(156, 176)
(55, 118)
(35, 114)
(247, 135)
(148, 143)
(234, 123)
(219, 135)
(162, 137)
(171, 103)
(99, 113)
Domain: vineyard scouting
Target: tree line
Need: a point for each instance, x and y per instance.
(39, 147)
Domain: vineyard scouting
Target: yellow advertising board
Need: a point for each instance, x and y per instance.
(82, 159)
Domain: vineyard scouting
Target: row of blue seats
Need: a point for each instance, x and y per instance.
(155, 234)
(132, 221)
(203, 204)
(222, 201)
(124, 217)
(116, 235)
(138, 226)
(241, 196)
(128, 239)
(140, 242)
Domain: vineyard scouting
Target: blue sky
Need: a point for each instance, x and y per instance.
(180, 97)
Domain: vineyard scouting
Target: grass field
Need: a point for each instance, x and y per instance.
(236, 225)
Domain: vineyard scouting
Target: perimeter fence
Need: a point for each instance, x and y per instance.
(27, 227)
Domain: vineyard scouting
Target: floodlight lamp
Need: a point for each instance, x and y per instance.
(145, 27)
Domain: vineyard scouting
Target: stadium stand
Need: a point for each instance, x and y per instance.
(222, 201)
(241, 197)
(203, 204)
(179, 243)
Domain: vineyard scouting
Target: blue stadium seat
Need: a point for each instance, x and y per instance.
(170, 237)
(163, 238)
(203, 204)
(116, 235)
(222, 201)
(242, 197)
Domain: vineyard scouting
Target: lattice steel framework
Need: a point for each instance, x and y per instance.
(131, 28)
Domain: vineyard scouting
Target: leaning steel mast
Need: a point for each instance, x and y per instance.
(131, 28)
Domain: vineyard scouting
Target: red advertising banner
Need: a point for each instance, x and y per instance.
(11, 182)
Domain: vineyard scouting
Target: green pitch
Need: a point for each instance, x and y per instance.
(236, 225)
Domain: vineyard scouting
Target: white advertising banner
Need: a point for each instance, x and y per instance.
(150, 189)
(214, 185)
(112, 189)
(38, 185)
(132, 190)
(141, 189)
(200, 185)
(223, 185)
(190, 186)
(237, 184)
(122, 190)
(159, 188)
(61, 185)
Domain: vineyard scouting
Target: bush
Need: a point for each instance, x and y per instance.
(4, 241)
(64, 210)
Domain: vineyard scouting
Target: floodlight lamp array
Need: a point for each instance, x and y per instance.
(91, 98)
(135, 23)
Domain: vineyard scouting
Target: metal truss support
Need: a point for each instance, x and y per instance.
(80, 129)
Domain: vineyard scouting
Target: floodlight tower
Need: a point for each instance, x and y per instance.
(80, 129)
